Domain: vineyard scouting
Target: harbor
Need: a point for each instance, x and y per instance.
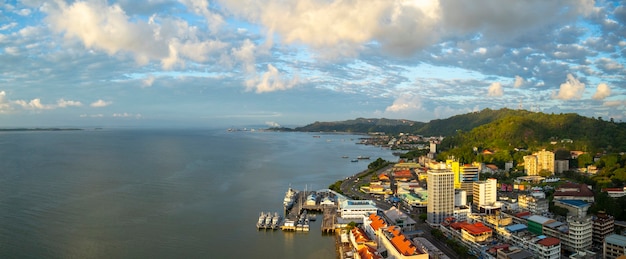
(300, 208)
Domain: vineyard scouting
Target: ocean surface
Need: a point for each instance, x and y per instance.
(122, 193)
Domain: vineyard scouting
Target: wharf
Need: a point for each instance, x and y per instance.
(301, 205)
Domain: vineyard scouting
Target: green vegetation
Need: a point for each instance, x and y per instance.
(336, 186)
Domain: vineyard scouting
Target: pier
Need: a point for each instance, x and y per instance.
(309, 201)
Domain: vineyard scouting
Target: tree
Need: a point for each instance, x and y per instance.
(584, 160)
(545, 173)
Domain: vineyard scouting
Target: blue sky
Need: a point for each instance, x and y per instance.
(193, 63)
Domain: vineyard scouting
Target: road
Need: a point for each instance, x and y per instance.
(350, 187)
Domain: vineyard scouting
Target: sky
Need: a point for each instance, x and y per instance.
(199, 63)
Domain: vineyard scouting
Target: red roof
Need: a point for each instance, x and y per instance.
(523, 214)
(402, 173)
(549, 241)
(613, 189)
(476, 228)
(573, 189)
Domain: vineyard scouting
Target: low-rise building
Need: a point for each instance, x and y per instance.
(574, 191)
(356, 209)
(534, 204)
(614, 246)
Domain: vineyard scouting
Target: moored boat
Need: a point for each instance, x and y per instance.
(261, 223)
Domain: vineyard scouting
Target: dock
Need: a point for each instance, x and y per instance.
(307, 202)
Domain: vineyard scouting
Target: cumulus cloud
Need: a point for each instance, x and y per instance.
(34, 104)
(272, 124)
(406, 102)
(602, 91)
(272, 81)
(109, 28)
(495, 90)
(4, 104)
(571, 89)
(519, 82)
(100, 103)
(394, 24)
(614, 103)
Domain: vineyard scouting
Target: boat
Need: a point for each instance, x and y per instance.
(268, 221)
(290, 197)
(354, 160)
(275, 221)
(344, 156)
(362, 157)
(261, 223)
(312, 217)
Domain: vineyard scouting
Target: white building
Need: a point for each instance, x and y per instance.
(485, 195)
(356, 209)
(440, 194)
(534, 204)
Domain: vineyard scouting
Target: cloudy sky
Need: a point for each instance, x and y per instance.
(240, 62)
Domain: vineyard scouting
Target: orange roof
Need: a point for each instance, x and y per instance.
(403, 245)
(367, 252)
(522, 214)
(359, 235)
(383, 176)
(377, 222)
(549, 241)
(402, 173)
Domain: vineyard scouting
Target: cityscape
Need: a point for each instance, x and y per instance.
(425, 208)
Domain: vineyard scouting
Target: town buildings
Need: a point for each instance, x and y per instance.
(485, 196)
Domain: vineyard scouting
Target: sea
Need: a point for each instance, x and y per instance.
(165, 193)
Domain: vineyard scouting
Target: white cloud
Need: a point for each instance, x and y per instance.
(272, 124)
(571, 89)
(100, 103)
(109, 28)
(349, 25)
(273, 81)
(148, 81)
(406, 102)
(519, 82)
(63, 103)
(602, 91)
(495, 89)
(127, 115)
(4, 104)
(34, 104)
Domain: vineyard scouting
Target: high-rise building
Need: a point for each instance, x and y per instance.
(542, 160)
(485, 195)
(440, 194)
(545, 160)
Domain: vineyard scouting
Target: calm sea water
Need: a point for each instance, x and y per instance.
(163, 193)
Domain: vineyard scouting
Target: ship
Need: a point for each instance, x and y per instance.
(290, 197)
(363, 157)
(261, 223)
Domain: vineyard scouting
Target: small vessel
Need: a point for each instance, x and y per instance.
(275, 221)
(261, 223)
(354, 160)
(312, 217)
(268, 221)
(344, 156)
(362, 157)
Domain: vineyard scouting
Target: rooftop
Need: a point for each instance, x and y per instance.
(549, 241)
(575, 203)
(616, 239)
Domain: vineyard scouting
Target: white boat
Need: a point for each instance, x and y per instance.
(261, 222)
(268, 221)
(290, 197)
(276, 221)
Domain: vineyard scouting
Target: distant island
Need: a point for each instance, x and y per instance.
(39, 129)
